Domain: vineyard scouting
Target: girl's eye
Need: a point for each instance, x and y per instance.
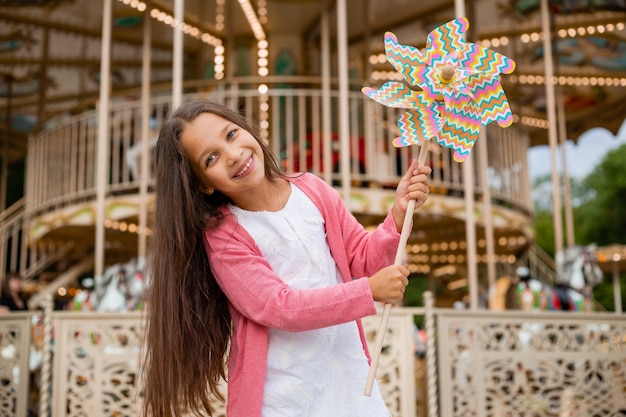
(209, 159)
(229, 136)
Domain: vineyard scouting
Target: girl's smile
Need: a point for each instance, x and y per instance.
(247, 168)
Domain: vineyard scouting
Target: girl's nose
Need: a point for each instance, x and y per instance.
(234, 155)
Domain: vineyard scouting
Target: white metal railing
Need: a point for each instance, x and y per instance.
(61, 159)
(11, 231)
(478, 363)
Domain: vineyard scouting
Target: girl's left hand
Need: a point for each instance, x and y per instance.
(412, 186)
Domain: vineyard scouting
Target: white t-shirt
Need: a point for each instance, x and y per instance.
(316, 373)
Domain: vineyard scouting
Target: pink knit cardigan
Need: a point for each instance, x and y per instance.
(259, 299)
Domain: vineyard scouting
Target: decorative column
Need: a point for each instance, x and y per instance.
(177, 58)
(145, 132)
(431, 355)
(102, 155)
(617, 289)
(483, 146)
(344, 127)
(327, 169)
(46, 374)
(470, 217)
(567, 189)
(550, 108)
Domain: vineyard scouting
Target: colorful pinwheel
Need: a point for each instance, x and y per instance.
(460, 89)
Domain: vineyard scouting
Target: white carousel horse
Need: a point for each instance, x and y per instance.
(577, 273)
(578, 268)
(120, 288)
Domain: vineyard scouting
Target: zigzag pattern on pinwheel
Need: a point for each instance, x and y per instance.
(414, 128)
(500, 112)
(461, 155)
(403, 142)
(409, 134)
(491, 100)
(426, 78)
(461, 141)
(401, 56)
(394, 94)
(483, 59)
(417, 126)
(448, 37)
(465, 119)
(460, 130)
(475, 97)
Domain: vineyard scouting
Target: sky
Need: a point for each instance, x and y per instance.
(581, 158)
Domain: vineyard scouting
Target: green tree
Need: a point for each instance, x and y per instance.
(543, 223)
(599, 218)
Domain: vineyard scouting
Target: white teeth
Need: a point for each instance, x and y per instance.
(244, 169)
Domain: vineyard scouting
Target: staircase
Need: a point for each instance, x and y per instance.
(16, 251)
(541, 265)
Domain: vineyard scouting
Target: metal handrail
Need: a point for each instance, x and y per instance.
(14, 209)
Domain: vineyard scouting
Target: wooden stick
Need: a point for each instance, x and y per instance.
(400, 252)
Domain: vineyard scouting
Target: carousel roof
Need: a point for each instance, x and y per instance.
(50, 51)
(611, 258)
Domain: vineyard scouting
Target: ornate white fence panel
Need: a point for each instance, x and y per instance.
(488, 364)
(96, 362)
(96, 369)
(15, 340)
(532, 365)
(395, 372)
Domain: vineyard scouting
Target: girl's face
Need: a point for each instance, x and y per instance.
(224, 156)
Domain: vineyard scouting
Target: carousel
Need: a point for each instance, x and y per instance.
(85, 89)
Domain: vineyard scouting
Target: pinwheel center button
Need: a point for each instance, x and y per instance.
(446, 75)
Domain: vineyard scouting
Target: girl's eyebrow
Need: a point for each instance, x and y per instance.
(227, 128)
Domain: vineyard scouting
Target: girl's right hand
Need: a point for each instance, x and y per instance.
(389, 283)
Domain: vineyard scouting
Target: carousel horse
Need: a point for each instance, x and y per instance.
(578, 267)
(532, 294)
(576, 275)
(120, 288)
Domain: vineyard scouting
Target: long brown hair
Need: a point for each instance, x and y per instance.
(188, 322)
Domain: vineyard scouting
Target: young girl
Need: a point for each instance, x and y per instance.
(265, 265)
